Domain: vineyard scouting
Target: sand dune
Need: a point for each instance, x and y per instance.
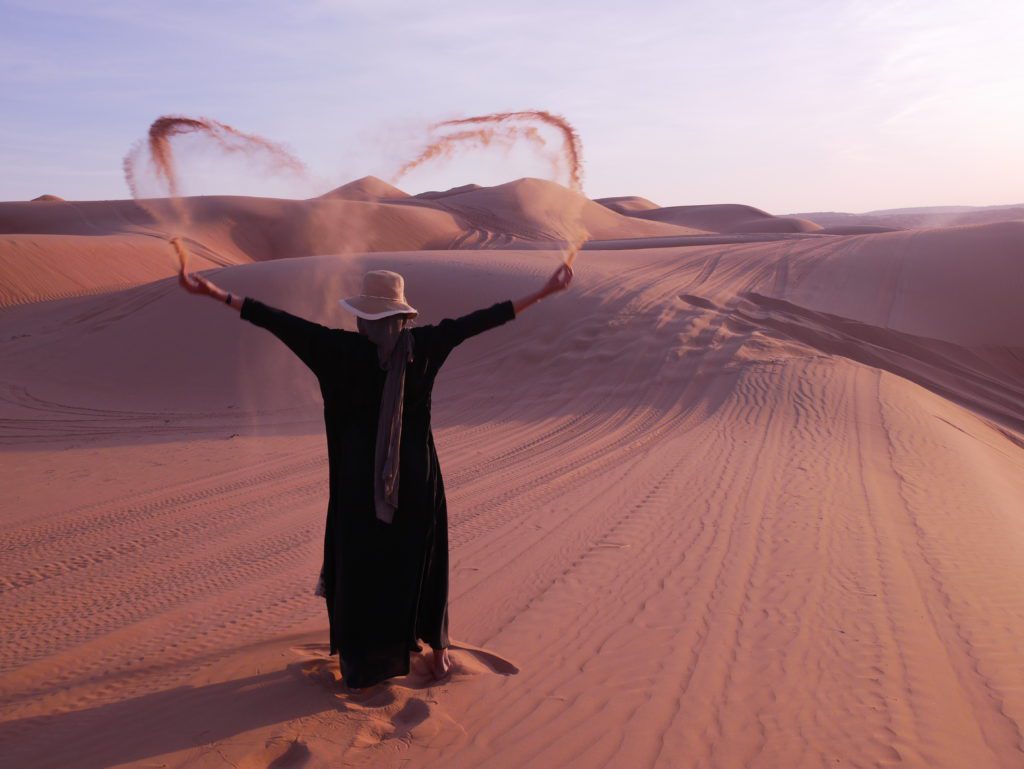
(923, 273)
(734, 504)
(434, 194)
(367, 188)
(222, 229)
(371, 215)
(918, 218)
(856, 229)
(365, 215)
(722, 218)
(627, 204)
(538, 210)
(41, 267)
(955, 284)
(60, 248)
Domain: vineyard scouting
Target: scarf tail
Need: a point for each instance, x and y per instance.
(389, 430)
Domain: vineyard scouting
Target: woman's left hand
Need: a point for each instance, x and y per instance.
(197, 284)
(559, 281)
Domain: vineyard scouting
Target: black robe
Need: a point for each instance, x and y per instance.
(386, 584)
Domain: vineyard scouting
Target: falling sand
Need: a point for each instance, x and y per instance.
(504, 129)
(226, 138)
(447, 145)
(182, 251)
(161, 157)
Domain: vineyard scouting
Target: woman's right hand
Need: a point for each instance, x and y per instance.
(559, 280)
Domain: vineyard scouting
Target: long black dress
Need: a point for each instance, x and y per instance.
(386, 584)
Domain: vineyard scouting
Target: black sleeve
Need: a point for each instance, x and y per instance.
(451, 332)
(306, 339)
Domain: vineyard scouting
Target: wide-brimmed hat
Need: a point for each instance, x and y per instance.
(383, 295)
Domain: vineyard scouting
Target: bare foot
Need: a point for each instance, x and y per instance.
(442, 663)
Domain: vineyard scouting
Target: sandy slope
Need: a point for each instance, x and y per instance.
(731, 505)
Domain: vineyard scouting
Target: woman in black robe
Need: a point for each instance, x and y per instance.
(385, 583)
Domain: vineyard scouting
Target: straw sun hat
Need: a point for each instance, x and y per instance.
(383, 295)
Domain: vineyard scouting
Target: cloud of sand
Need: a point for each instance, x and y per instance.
(157, 149)
(504, 129)
(497, 130)
(227, 138)
(331, 278)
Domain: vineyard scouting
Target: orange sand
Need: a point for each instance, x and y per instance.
(754, 502)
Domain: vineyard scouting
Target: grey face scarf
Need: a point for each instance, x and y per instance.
(394, 351)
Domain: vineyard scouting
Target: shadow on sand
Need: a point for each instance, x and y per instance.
(181, 718)
(200, 717)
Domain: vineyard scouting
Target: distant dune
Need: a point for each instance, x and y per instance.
(856, 229)
(721, 218)
(627, 204)
(49, 251)
(542, 211)
(916, 218)
(367, 188)
(435, 194)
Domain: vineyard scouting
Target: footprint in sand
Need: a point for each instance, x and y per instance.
(405, 718)
(412, 714)
(317, 665)
(409, 719)
(278, 754)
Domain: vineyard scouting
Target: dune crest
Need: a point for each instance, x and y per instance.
(365, 189)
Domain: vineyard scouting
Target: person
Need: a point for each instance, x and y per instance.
(384, 572)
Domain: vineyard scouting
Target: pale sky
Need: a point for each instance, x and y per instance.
(788, 105)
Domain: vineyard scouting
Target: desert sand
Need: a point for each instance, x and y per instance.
(748, 495)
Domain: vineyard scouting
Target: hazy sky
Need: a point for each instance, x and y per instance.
(794, 105)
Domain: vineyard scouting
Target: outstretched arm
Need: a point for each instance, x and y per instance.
(451, 332)
(197, 284)
(308, 340)
(559, 281)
